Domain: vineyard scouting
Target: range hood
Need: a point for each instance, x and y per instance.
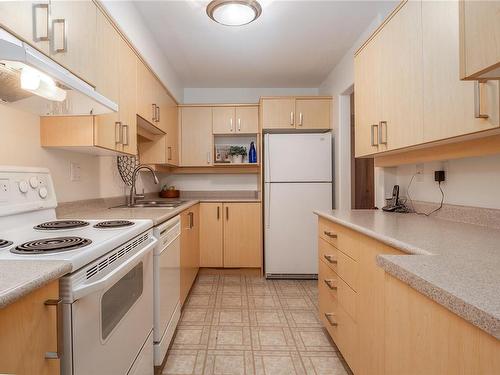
(33, 82)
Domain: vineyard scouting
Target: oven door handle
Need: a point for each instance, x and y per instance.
(114, 275)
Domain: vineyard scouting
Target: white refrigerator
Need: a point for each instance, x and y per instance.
(297, 181)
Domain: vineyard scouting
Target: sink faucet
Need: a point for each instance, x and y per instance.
(133, 194)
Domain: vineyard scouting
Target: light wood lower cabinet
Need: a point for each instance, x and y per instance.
(230, 235)
(28, 331)
(383, 326)
(190, 249)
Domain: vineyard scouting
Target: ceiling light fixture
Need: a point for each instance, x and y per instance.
(234, 12)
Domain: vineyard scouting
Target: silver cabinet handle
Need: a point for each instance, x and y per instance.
(118, 132)
(330, 258)
(292, 118)
(330, 234)
(35, 9)
(153, 116)
(125, 139)
(381, 133)
(64, 47)
(373, 135)
(218, 212)
(329, 284)
(231, 124)
(477, 100)
(191, 220)
(329, 317)
(239, 124)
(301, 118)
(209, 157)
(169, 153)
(227, 213)
(157, 117)
(60, 335)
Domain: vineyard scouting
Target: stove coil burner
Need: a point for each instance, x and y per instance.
(5, 243)
(61, 224)
(51, 245)
(113, 224)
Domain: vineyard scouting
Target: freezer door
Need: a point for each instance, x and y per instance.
(298, 157)
(291, 226)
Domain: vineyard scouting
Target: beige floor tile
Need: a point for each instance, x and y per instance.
(264, 302)
(272, 338)
(191, 337)
(201, 300)
(229, 362)
(207, 279)
(278, 363)
(230, 338)
(200, 288)
(196, 316)
(289, 288)
(303, 318)
(312, 339)
(233, 280)
(298, 302)
(184, 362)
(260, 290)
(231, 317)
(273, 318)
(233, 289)
(323, 364)
(231, 301)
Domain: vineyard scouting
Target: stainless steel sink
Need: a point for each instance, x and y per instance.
(154, 204)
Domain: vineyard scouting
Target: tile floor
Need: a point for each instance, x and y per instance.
(241, 324)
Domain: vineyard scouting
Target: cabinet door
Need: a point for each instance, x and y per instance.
(247, 120)
(127, 98)
(196, 136)
(161, 101)
(401, 72)
(74, 36)
(146, 94)
(186, 249)
(242, 235)
(169, 117)
(211, 235)
(29, 20)
(223, 120)
(449, 102)
(480, 39)
(312, 113)
(367, 98)
(29, 330)
(278, 113)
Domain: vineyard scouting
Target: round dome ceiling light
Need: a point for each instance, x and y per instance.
(234, 12)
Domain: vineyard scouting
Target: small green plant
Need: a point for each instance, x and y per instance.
(237, 150)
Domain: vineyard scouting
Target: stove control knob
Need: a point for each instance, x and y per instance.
(23, 186)
(42, 192)
(34, 182)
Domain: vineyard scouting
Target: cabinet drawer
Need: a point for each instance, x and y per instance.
(338, 289)
(342, 238)
(343, 266)
(339, 325)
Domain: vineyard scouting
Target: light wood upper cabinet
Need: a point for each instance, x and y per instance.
(149, 96)
(312, 113)
(211, 235)
(247, 120)
(223, 120)
(74, 36)
(29, 330)
(196, 136)
(242, 235)
(400, 43)
(190, 249)
(278, 113)
(30, 20)
(479, 39)
(449, 102)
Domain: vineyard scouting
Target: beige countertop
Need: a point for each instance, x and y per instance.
(455, 264)
(20, 277)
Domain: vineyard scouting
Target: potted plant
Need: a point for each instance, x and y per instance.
(237, 154)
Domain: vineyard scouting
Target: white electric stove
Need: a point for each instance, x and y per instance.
(107, 299)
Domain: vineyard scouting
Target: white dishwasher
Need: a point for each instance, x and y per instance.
(167, 307)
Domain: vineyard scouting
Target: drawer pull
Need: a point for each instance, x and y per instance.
(330, 258)
(58, 304)
(329, 284)
(330, 234)
(329, 317)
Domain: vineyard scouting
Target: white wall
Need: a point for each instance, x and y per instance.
(20, 146)
(134, 27)
(239, 95)
(469, 182)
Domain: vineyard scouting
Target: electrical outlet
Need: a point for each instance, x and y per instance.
(419, 172)
(74, 171)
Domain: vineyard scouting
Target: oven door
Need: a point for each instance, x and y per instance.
(111, 324)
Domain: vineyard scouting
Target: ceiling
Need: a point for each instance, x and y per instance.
(292, 44)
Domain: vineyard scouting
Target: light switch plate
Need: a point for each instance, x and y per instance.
(74, 172)
(420, 173)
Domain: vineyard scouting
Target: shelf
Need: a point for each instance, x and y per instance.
(245, 168)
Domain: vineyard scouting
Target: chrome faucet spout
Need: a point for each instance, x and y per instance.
(133, 194)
